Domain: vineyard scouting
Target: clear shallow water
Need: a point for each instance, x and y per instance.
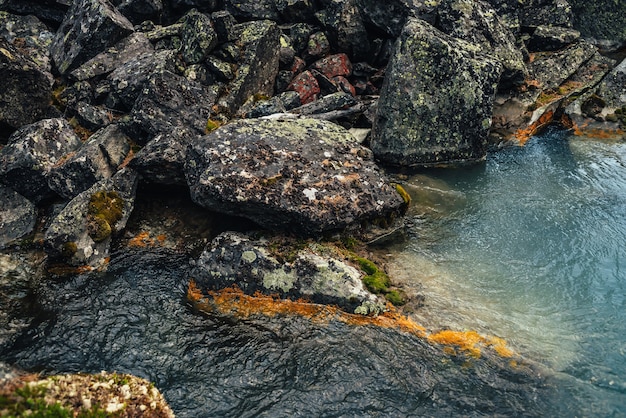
(531, 246)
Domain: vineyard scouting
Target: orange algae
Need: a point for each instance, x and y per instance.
(143, 239)
(523, 135)
(233, 301)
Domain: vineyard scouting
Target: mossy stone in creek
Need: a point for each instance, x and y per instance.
(105, 210)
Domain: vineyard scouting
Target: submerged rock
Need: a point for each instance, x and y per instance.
(17, 216)
(436, 101)
(81, 233)
(32, 152)
(312, 272)
(301, 175)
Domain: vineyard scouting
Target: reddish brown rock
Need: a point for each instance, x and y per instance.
(306, 85)
(334, 65)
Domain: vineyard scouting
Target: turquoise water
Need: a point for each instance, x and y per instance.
(531, 246)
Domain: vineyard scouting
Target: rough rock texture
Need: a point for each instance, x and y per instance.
(551, 38)
(253, 10)
(25, 89)
(17, 216)
(390, 16)
(612, 89)
(552, 69)
(476, 22)
(47, 10)
(259, 42)
(96, 160)
(197, 36)
(344, 25)
(32, 151)
(162, 160)
(436, 101)
(29, 35)
(509, 12)
(138, 11)
(89, 27)
(306, 176)
(314, 273)
(170, 102)
(600, 19)
(81, 233)
(548, 13)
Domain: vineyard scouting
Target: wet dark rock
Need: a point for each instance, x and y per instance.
(25, 89)
(17, 216)
(551, 38)
(612, 89)
(600, 19)
(478, 23)
(161, 160)
(432, 78)
(81, 233)
(303, 175)
(106, 62)
(32, 151)
(30, 36)
(253, 10)
(224, 25)
(138, 11)
(552, 69)
(98, 159)
(296, 10)
(197, 36)
(170, 102)
(345, 28)
(52, 11)
(92, 117)
(547, 13)
(74, 45)
(390, 16)
(326, 103)
(316, 273)
(128, 80)
(260, 42)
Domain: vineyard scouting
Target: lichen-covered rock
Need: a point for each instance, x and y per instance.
(509, 12)
(301, 175)
(346, 31)
(162, 160)
(334, 65)
(17, 216)
(96, 160)
(306, 85)
(551, 69)
(170, 102)
(253, 10)
(260, 43)
(49, 10)
(600, 19)
(436, 101)
(612, 89)
(296, 10)
(81, 233)
(390, 16)
(328, 103)
(25, 89)
(29, 35)
(89, 27)
(32, 151)
(138, 11)
(122, 52)
(197, 36)
(477, 22)
(91, 117)
(312, 272)
(547, 12)
(551, 38)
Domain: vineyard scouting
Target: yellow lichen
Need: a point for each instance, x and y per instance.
(104, 211)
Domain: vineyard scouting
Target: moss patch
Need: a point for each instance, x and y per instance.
(105, 210)
(377, 281)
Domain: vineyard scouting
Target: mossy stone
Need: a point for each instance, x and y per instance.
(105, 210)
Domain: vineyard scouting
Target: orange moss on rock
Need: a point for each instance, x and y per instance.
(470, 342)
(523, 135)
(143, 239)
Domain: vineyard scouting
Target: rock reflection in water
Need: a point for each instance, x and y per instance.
(134, 319)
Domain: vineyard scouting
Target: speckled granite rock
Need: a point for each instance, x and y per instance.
(17, 216)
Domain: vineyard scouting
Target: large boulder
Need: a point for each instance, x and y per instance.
(162, 160)
(550, 69)
(81, 233)
(477, 22)
(89, 27)
(46, 10)
(314, 273)
(17, 216)
(98, 159)
(29, 35)
(546, 12)
(612, 89)
(25, 89)
(390, 16)
(344, 25)
(600, 19)
(436, 101)
(32, 152)
(305, 176)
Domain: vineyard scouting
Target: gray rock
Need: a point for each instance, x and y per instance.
(128, 80)
(390, 16)
(98, 159)
(600, 19)
(162, 160)
(92, 117)
(553, 68)
(170, 102)
(89, 27)
(612, 89)
(477, 22)
(436, 101)
(551, 38)
(253, 10)
(81, 233)
(29, 35)
(49, 10)
(224, 24)
(106, 62)
(32, 151)
(17, 216)
(197, 36)
(326, 103)
(25, 90)
(315, 273)
(138, 11)
(260, 42)
(305, 176)
(345, 29)
(266, 108)
(510, 12)
(547, 13)
(221, 70)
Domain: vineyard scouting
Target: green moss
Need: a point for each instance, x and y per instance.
(69, 249)
(404, 194)
(105, 210)
(212, 124)
(377, 282)
(395, 297)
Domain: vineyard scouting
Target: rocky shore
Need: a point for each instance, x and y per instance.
(272, 122)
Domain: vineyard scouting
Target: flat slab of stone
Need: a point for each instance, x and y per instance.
(300, 175)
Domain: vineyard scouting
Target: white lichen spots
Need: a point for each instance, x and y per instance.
(310, 193)
(114, 405)
(248, 256)
(279, 279)
(328, 154)
(125, 392)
